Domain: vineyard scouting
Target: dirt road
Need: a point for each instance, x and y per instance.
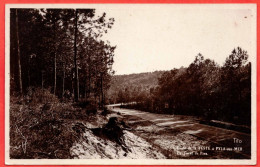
(184, 137)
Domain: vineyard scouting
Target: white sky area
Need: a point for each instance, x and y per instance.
(163, 37)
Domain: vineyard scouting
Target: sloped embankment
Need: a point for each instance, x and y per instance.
(45, 128)
(112, 141)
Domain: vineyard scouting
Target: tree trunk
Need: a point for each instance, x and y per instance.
(55, 59)
(63, 81)
(29, 77)
(76, 82)
(99, 101)
(18, 56)
(88, 85)
(102, 93)
(85, 87)
(72, 86)
(104, 98)
(42, 79)
(55, 70)
(89, 82)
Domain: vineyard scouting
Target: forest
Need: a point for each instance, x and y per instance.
(60, 69)
(203, 89)
(60, 50)
(128, 88)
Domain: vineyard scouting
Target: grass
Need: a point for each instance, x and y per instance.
(43, 127)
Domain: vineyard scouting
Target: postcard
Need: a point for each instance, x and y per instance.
(130, 84)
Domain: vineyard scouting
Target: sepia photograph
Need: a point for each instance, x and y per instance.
(130, 84)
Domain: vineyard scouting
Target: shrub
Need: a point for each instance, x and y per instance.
(91, 109)
(38, 128)
(105, 111)
(35, 96)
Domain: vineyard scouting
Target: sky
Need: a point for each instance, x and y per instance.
(163, 37)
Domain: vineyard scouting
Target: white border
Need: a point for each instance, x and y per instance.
(9, 161)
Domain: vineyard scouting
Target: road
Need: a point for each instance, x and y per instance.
(184, 137)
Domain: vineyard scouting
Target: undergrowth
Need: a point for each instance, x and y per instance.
(43, 127)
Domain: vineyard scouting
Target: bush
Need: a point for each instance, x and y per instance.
(91, 109)
(88, 105)
(38, 127)
(105, 111)
(37, 95)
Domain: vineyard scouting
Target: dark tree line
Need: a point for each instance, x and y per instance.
(60, 50)
(202, 89)
(131, 87)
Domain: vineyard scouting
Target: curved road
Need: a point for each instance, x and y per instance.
(184, 137)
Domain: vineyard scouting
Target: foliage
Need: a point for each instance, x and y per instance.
(202, 89)
(132, 87)
(43, 127)
(62, 57)
(62, 49)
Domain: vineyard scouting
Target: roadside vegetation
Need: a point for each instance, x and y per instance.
(60, 69)
(43, 127)
(203, 89)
